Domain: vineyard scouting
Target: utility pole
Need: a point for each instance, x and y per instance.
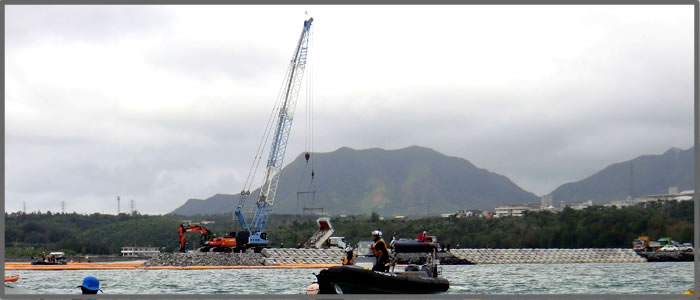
(24, 207)
(63, 207)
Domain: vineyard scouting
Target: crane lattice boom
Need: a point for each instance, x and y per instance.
(283, 127)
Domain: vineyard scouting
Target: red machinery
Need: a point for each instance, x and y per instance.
(209, 241)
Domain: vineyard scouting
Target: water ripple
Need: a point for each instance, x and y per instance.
(591, 278)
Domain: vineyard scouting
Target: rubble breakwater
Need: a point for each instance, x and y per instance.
(276, 257)
(548, 256)
(289, 256)
(194, 258)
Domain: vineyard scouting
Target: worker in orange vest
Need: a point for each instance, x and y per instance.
(381, 252)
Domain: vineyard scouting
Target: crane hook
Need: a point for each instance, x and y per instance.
(307, 156)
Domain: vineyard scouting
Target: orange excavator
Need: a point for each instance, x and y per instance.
(209, 241)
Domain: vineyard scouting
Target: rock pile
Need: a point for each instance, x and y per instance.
(205, 259)
(548, 256)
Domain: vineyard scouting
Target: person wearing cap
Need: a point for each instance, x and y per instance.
(90, 285)
(381, 252)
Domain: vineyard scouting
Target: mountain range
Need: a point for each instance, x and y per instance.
(418, 181)
(639, 177)
(412, 181)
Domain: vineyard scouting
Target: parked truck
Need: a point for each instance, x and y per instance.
(642, 243)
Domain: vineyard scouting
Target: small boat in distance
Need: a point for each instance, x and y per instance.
(54, 258)
(11, 278)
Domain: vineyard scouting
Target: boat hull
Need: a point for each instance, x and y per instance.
(357, 280)
(48, 263)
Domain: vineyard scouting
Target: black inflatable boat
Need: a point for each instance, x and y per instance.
(358, 280)
(414, 279)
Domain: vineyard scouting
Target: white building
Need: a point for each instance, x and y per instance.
(140, 251)
(546, 201)
(671, 196)
(582, 205)
(515, 211)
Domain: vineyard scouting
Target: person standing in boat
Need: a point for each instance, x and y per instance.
(381, 252)
(349, 259)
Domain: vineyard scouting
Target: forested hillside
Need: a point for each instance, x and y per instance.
(593, 227)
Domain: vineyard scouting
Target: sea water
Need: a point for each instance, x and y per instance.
(580, 278)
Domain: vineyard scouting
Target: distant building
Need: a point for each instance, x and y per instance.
(621, 203)
(399, 217)
(673, 190)
(515, 211)
(446, 215)
(140, 251)
(546, 201)
(463, 213)
(582, 205)
(208, 222)
(682, 196)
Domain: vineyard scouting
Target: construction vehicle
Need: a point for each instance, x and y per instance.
(642, 243)
(667, 241)
(322, 238)
(185, 228)
(209, 241)
(253, 234)
(336, 242)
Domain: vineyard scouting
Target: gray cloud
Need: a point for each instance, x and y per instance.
(161, 104)
(29, 24)
(207, 61)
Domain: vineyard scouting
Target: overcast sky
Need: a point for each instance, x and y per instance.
(160, 104)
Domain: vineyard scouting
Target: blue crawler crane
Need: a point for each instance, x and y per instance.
(253, 234)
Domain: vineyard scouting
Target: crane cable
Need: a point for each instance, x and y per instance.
(308, 131)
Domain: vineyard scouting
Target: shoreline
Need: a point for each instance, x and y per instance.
(128, 266)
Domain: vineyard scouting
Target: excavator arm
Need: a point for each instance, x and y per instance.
(185, 228)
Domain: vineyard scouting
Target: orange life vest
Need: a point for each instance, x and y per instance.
(376, 250)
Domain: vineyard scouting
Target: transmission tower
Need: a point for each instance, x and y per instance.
(24, 207)
(118, 206)
(63, 207)
(131, 206)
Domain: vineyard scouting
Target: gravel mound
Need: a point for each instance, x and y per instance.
(206, 259)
